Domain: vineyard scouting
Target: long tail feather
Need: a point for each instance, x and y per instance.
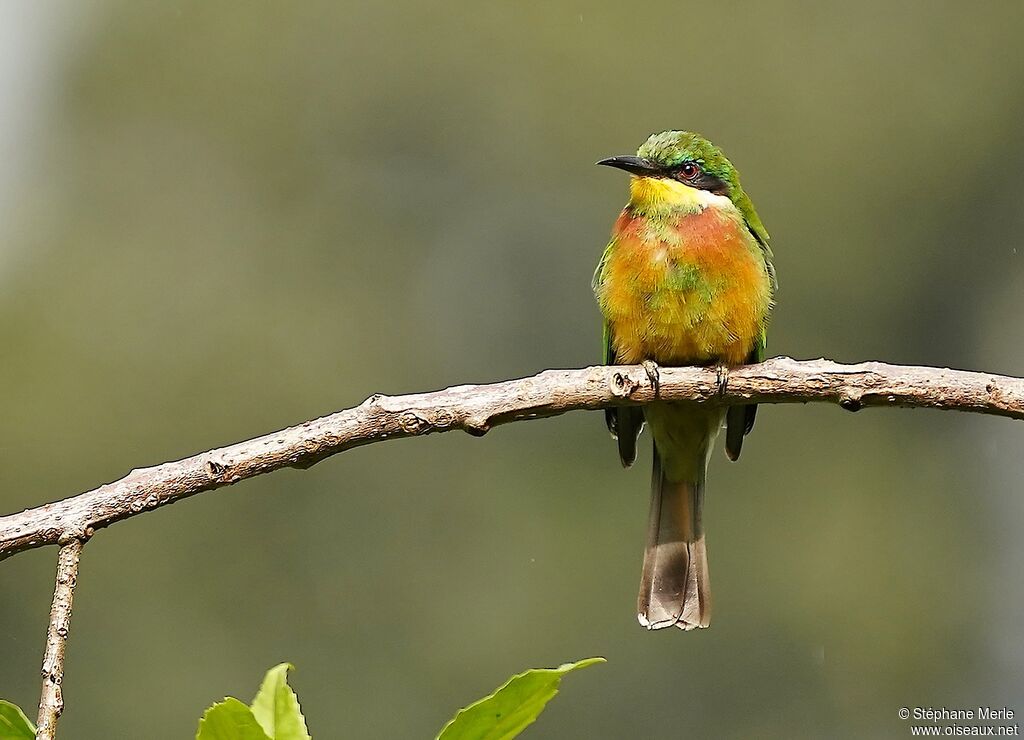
(674, 586)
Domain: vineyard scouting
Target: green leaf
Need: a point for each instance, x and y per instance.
(512, 708)
(276, 707)
(14, 725)
(229, 720)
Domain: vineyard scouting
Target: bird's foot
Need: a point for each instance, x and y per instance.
(722, 379)
(653, 375)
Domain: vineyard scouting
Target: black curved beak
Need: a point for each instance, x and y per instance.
(633, 165)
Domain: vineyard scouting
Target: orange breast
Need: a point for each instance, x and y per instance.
(692, 289)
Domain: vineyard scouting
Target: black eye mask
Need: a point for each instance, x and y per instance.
(703, 180)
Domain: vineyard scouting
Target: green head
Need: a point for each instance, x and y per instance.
(695, 162)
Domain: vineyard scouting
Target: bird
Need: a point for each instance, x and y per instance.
(686, 279)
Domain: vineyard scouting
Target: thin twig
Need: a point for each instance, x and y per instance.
(478, 408)
(51, 699)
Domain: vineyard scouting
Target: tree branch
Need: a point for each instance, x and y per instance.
(51, 699)
(477, 408)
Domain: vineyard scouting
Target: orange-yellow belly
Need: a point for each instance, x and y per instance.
(693, 290)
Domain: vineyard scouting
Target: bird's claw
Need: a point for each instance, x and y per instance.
(722, 379)
(653, 375)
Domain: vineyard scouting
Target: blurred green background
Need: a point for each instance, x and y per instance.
(218, 219)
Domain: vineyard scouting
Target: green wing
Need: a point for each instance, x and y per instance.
(624, 422)
(739, 420)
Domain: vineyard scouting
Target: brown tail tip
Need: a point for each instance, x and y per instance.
(678, 592)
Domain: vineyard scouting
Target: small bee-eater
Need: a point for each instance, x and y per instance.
(686, 279)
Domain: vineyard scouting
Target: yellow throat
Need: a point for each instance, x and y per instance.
(660, 194)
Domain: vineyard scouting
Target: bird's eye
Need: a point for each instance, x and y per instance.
(689, 171)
